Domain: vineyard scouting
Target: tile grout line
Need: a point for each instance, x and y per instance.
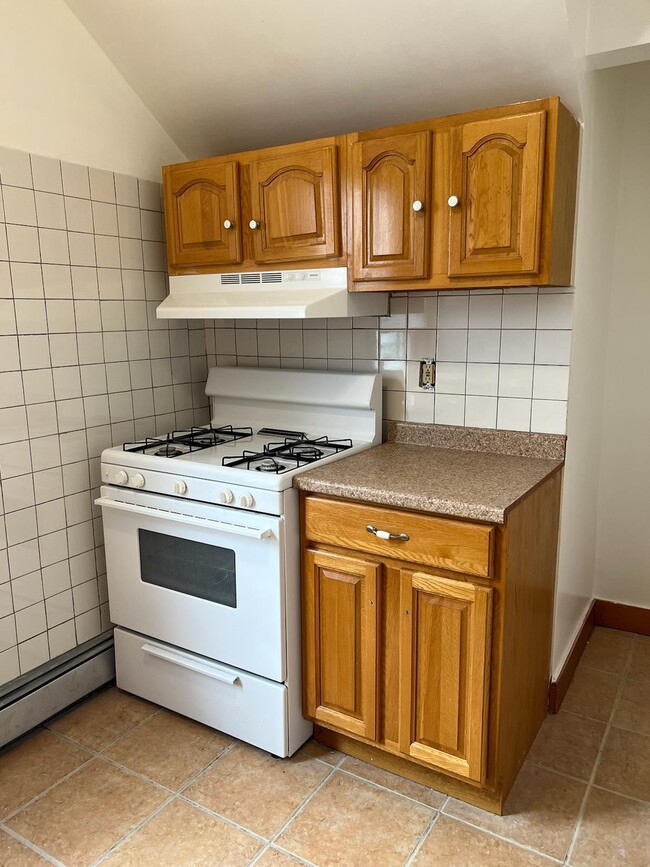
(394, 791)
(590, 783)
(29, 845)
(502, 837)
(423, 836)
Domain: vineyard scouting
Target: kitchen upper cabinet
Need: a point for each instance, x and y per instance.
(495, 196)
(390, 202)
(340, 641)
(295, 204)
(202, 214)
(444, 667)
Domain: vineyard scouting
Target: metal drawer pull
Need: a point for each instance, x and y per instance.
(186, 661)
(384, 534)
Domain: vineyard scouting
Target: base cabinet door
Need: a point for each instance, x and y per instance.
(295, 204)
(444, 667)
(495, 189)
(340, 641)
(202, 215)
(390, 207)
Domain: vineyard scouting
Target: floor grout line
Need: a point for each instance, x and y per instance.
(34, 848)
(393, 791)
(590, 783)
(423, 836)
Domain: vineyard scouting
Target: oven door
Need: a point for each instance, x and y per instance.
(204, 578)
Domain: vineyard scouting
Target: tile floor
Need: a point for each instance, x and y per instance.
(119, 781)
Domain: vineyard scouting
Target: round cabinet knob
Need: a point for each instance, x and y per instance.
(121, 478)
(453, 201)
(226, 496)
(179, 487)
(228, 224)
(253, 224)
(246, 501)
(137, 481)
(418, 205)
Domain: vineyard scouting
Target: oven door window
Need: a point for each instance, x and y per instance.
(194, 568)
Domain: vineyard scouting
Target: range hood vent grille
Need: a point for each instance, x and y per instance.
(230, 279)
(252, 277)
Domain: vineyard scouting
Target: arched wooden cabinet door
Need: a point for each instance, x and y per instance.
(202, 215)
(339, 638)
(391, 205)
(495, 189)
(444, 667)
(295, 207)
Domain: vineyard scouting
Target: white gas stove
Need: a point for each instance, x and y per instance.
(202, 547)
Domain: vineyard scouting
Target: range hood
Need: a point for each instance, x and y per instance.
(269, 295)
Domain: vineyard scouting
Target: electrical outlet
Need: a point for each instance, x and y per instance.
(427, 373)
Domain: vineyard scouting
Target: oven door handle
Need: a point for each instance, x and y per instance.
(193, 520)
(207, 668)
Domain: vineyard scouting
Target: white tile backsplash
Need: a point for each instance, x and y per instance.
(78, 339)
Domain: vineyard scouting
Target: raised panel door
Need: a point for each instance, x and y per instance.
(295, 205)
(202, 214)
(444, 666)
(390, 207)
(496, 175)
(340, 641)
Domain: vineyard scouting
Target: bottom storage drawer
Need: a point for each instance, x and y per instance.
(235, 702)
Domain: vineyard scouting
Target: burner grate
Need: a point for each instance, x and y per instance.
(299, 454)
(193, 440)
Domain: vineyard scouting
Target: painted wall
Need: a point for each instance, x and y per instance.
(61, 96)
(623, 537)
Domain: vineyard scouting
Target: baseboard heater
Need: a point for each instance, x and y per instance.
(31, 699)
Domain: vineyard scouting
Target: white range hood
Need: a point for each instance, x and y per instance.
(304, 294)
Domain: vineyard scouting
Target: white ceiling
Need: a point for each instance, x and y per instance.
(230, 75)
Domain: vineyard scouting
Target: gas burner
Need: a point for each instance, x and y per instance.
(292, 454)
(305, 451)
(270, 465)
(169, 451)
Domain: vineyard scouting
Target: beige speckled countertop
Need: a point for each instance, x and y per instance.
(448, 481)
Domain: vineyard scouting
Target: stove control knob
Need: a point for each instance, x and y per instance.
(121, 477)
(137, 480)
(179, 487)
(246, 501)
(226, 497)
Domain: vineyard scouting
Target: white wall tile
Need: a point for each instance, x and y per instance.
(519, 311)
(483, 345)
(517, 347)
(480, 411)
(549, 416)
(550, 382)
(453, 311)
(482, 379)
(19, 206)
(513, 413)
(15, 168)
(47, 174)
(485, 311)
(449, 409)
(553, 347)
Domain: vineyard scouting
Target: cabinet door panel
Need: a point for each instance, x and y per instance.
(391, 240)
(294, 198)
(340, 641)
(444, 664)
(497, 173)
(197, 202)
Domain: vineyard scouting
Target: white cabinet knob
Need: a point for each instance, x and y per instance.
(453, 201)
(228, 224)
(253, 224)
(121, 478)
(226, 496)
(246, 501)
(417, 205)
(137, 481)
(179, 487)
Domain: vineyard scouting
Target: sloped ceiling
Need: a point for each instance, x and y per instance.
(229, 75)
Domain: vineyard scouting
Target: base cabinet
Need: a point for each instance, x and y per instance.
(428, 670)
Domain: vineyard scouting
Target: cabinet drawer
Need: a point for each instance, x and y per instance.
(446, 543)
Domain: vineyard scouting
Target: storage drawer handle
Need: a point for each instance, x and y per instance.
(206, 668)
(391, 537)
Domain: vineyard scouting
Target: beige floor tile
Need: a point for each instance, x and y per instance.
(169, 749)
(273, 858)
(349, 822)
(633, 711)
(104, 718)
(14, 854)
(254, 789)
(592, 693)
(184, 836)
(614, 833)
(34, 764)
(453, 844)
(625, 764)
(608, 650)
(568, 743)
(320, 751)
(401, 785)
(87, 813)
(542, 810)
(640, 662)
